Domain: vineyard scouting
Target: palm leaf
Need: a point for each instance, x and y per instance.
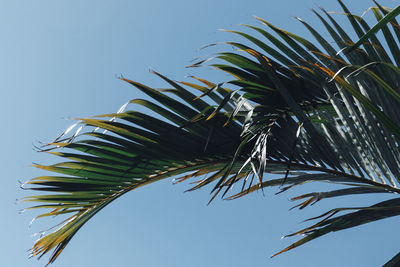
(357, 140)
(293, 108)
(141, 149)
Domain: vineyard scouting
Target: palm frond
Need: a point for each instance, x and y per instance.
(133, 150)
(338, 113)
(293, 108)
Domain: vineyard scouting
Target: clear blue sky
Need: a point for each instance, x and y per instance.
(59, 59)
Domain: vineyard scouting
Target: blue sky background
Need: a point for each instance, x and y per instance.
(61, 59)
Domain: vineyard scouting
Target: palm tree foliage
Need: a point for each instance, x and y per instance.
(295, 109)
